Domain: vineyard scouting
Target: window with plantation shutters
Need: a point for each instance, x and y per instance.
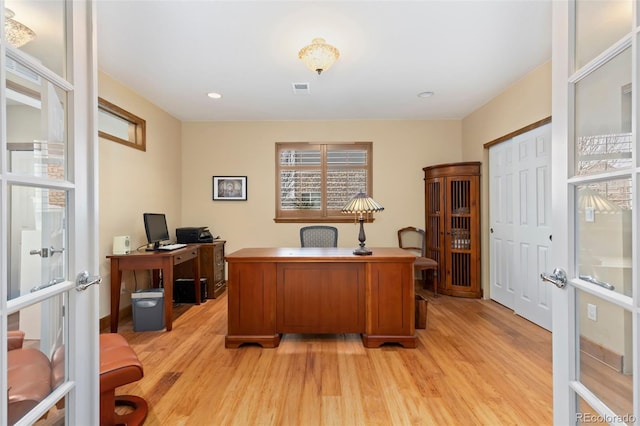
(314, 181)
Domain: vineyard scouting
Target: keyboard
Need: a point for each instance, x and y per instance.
(170, 247)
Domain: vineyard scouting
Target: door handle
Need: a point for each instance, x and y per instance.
(596, 281)
(43, 252)
(84, 280)
(557, 278)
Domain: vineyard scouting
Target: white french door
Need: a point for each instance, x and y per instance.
(47, 199)
(595, 185)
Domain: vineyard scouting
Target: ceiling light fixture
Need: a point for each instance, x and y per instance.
(318, 56)
(214, 95)
(16, 33)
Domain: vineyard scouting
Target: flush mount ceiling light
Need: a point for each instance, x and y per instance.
(16, 33)
(214, 95)
(318, 56)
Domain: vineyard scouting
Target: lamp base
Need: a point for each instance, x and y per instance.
(362, 251)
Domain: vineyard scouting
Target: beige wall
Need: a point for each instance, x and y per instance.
(523, 103)
(526, 101)
(174, 176)
(133, 182)
(400, 150)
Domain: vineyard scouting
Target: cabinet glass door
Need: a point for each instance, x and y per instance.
(435, 223)
(458, 237)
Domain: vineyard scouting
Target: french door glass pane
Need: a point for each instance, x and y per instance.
(55, 416)
(37, 256)
(36, 127)
(600, 24)
(36, 359)
(606, 353)
(603, 118)
(603, 229)
(46, 20)
(588, 416)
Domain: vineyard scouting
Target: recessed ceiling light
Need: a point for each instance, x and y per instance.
(425, 94)
(214, 95)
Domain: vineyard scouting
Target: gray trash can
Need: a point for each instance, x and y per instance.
(148, 309)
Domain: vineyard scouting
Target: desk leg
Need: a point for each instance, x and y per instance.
(116, 279)
(196, 277)
(155, 278)
(167, 282)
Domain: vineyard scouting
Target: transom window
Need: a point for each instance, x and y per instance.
(314, 181)
(119, 125)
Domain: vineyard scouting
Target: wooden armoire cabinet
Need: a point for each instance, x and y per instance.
(452, 225)
(212, 267)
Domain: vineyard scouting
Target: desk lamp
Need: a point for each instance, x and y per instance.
(361, 204)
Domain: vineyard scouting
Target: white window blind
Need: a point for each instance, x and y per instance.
(314, 181)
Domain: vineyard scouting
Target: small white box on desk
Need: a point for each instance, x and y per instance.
(121, 244)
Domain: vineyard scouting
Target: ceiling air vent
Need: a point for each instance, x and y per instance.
(301, 89)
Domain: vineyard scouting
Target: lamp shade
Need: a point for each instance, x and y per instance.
(362, 203)
(318, 56)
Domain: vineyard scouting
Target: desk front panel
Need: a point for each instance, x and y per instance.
(252, 299)
(321, 298)
(391, 301)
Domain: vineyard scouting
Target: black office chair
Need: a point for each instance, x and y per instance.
(319, 236)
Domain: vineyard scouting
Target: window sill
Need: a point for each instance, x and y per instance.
(346, 219)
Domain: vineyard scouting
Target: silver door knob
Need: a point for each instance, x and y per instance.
(558, 278)
(84, 280)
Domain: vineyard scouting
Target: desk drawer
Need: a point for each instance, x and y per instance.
(183, 257)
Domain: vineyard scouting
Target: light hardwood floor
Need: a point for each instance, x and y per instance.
(476, 363)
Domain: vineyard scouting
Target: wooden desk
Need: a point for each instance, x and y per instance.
(157, 261)
(320, 290)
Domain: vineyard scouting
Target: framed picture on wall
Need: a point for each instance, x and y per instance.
(229, 188)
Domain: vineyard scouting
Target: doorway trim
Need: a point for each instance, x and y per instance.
(518, 132)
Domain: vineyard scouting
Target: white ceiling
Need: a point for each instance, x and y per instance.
(174, 52)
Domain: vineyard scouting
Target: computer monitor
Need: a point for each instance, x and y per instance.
(155, 225)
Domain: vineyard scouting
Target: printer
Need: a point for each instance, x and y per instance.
(199, 234)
